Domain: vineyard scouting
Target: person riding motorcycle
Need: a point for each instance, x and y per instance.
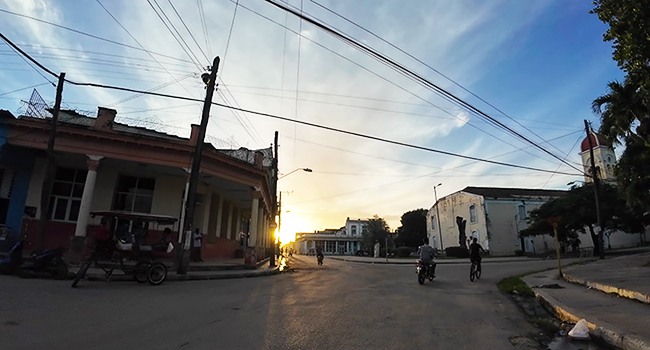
(427, 255)
(319, 253)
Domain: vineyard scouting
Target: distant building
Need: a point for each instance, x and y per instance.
(604, 157)
(343, 241)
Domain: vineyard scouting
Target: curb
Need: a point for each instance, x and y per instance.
(438, 261)
(625, 293)
(192, 277)
(619, 341)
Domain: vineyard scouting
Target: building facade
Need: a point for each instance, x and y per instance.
(343, 241)
(102, 165)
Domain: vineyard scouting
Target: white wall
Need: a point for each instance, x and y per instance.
(451, 206)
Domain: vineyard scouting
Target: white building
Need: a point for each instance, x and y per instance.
(344, 241)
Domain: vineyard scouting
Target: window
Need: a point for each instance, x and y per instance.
(521, 212)
(475, 234)
(354, 230)
(433, 223)
(65, 198)
(330, 246)
(473, 216)
(134, 194)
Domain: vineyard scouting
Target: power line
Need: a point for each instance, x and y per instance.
(91, 35)
(386, 79)
(414, 76)
(204, 25)
(428, 66)
(369, 137)
(188, 30)
(25, 88)
(232, 25)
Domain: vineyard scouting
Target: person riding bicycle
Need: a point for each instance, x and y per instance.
(319, 252)
(474, 253)
(427, 253)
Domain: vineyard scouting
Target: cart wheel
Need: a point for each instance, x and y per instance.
(81, 273)
(140, 271)
(157, 273)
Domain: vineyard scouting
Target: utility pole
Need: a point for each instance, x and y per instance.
(275, 196)
(49, 164)
(594, 174)
(190, 204)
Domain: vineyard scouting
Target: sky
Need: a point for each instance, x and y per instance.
(534, 66)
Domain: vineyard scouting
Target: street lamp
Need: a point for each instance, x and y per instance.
(435, 195)
(293, 171)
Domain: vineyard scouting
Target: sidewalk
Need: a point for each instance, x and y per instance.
(614, 318)
(412, 260)
(208, 270)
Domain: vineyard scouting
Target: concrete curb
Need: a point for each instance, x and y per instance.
(92, 276)
(438, 261)
(619, 341)
(625, 293)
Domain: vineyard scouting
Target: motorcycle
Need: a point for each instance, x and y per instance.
(9, 265)
(49, 262)
(424, 271)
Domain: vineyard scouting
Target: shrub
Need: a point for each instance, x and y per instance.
(456, 252)
(404, 252)
(515, 285)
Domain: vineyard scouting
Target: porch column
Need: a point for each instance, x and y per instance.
(231, 213)
(237, 223)
(219, 216)
(87, 196)
(207, 203)
(255, 216)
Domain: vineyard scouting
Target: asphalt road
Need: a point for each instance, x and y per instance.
(340, 305)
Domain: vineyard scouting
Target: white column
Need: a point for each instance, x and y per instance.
(237, 223)
(255, 216)
(87, 196)
(219, 215)
(231, 213)
(207, 203)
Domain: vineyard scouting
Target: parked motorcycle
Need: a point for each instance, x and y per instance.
(10, 264)
(424, 271)
(49, 262)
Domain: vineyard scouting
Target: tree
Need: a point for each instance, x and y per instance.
(620, 109)
(577, 213)
(629, 29)
(376, 230)
(413, 229)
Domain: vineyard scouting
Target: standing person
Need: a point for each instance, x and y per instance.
(427, 253)
(474, 253)
(197, 237)
(102, 239)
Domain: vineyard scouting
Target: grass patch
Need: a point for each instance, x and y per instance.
(515, 285)
(546, 325)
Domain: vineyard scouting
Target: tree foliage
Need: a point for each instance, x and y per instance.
(625, 109)
(413, 229)
(376, 230)
(575, 212)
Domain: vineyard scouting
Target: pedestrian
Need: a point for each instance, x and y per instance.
(197, 237)
(102, 239)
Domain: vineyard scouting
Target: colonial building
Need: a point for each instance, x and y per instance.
(101, 164)
(343, 241)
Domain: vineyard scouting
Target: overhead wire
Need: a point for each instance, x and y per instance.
(415, 77)
(380, 76)
(188, 30)
(204, 26)
(431, 68)
(25, 88)
(369, 137)
(92, 35)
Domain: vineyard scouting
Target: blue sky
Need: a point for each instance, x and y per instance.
(540, 62)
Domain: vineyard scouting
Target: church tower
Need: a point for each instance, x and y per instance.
(604, 157)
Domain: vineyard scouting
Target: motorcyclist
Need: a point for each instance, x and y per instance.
(427, 255)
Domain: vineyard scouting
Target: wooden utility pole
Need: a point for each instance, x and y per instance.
(48, 179)
(594, 174)
(190, 205)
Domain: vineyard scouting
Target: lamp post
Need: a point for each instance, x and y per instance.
(435, 195)
(279, 204)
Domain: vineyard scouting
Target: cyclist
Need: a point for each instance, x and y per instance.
(474, 256)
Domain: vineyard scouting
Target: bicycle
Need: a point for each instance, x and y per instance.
(475, 271)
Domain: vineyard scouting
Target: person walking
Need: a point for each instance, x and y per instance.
(197, 237)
